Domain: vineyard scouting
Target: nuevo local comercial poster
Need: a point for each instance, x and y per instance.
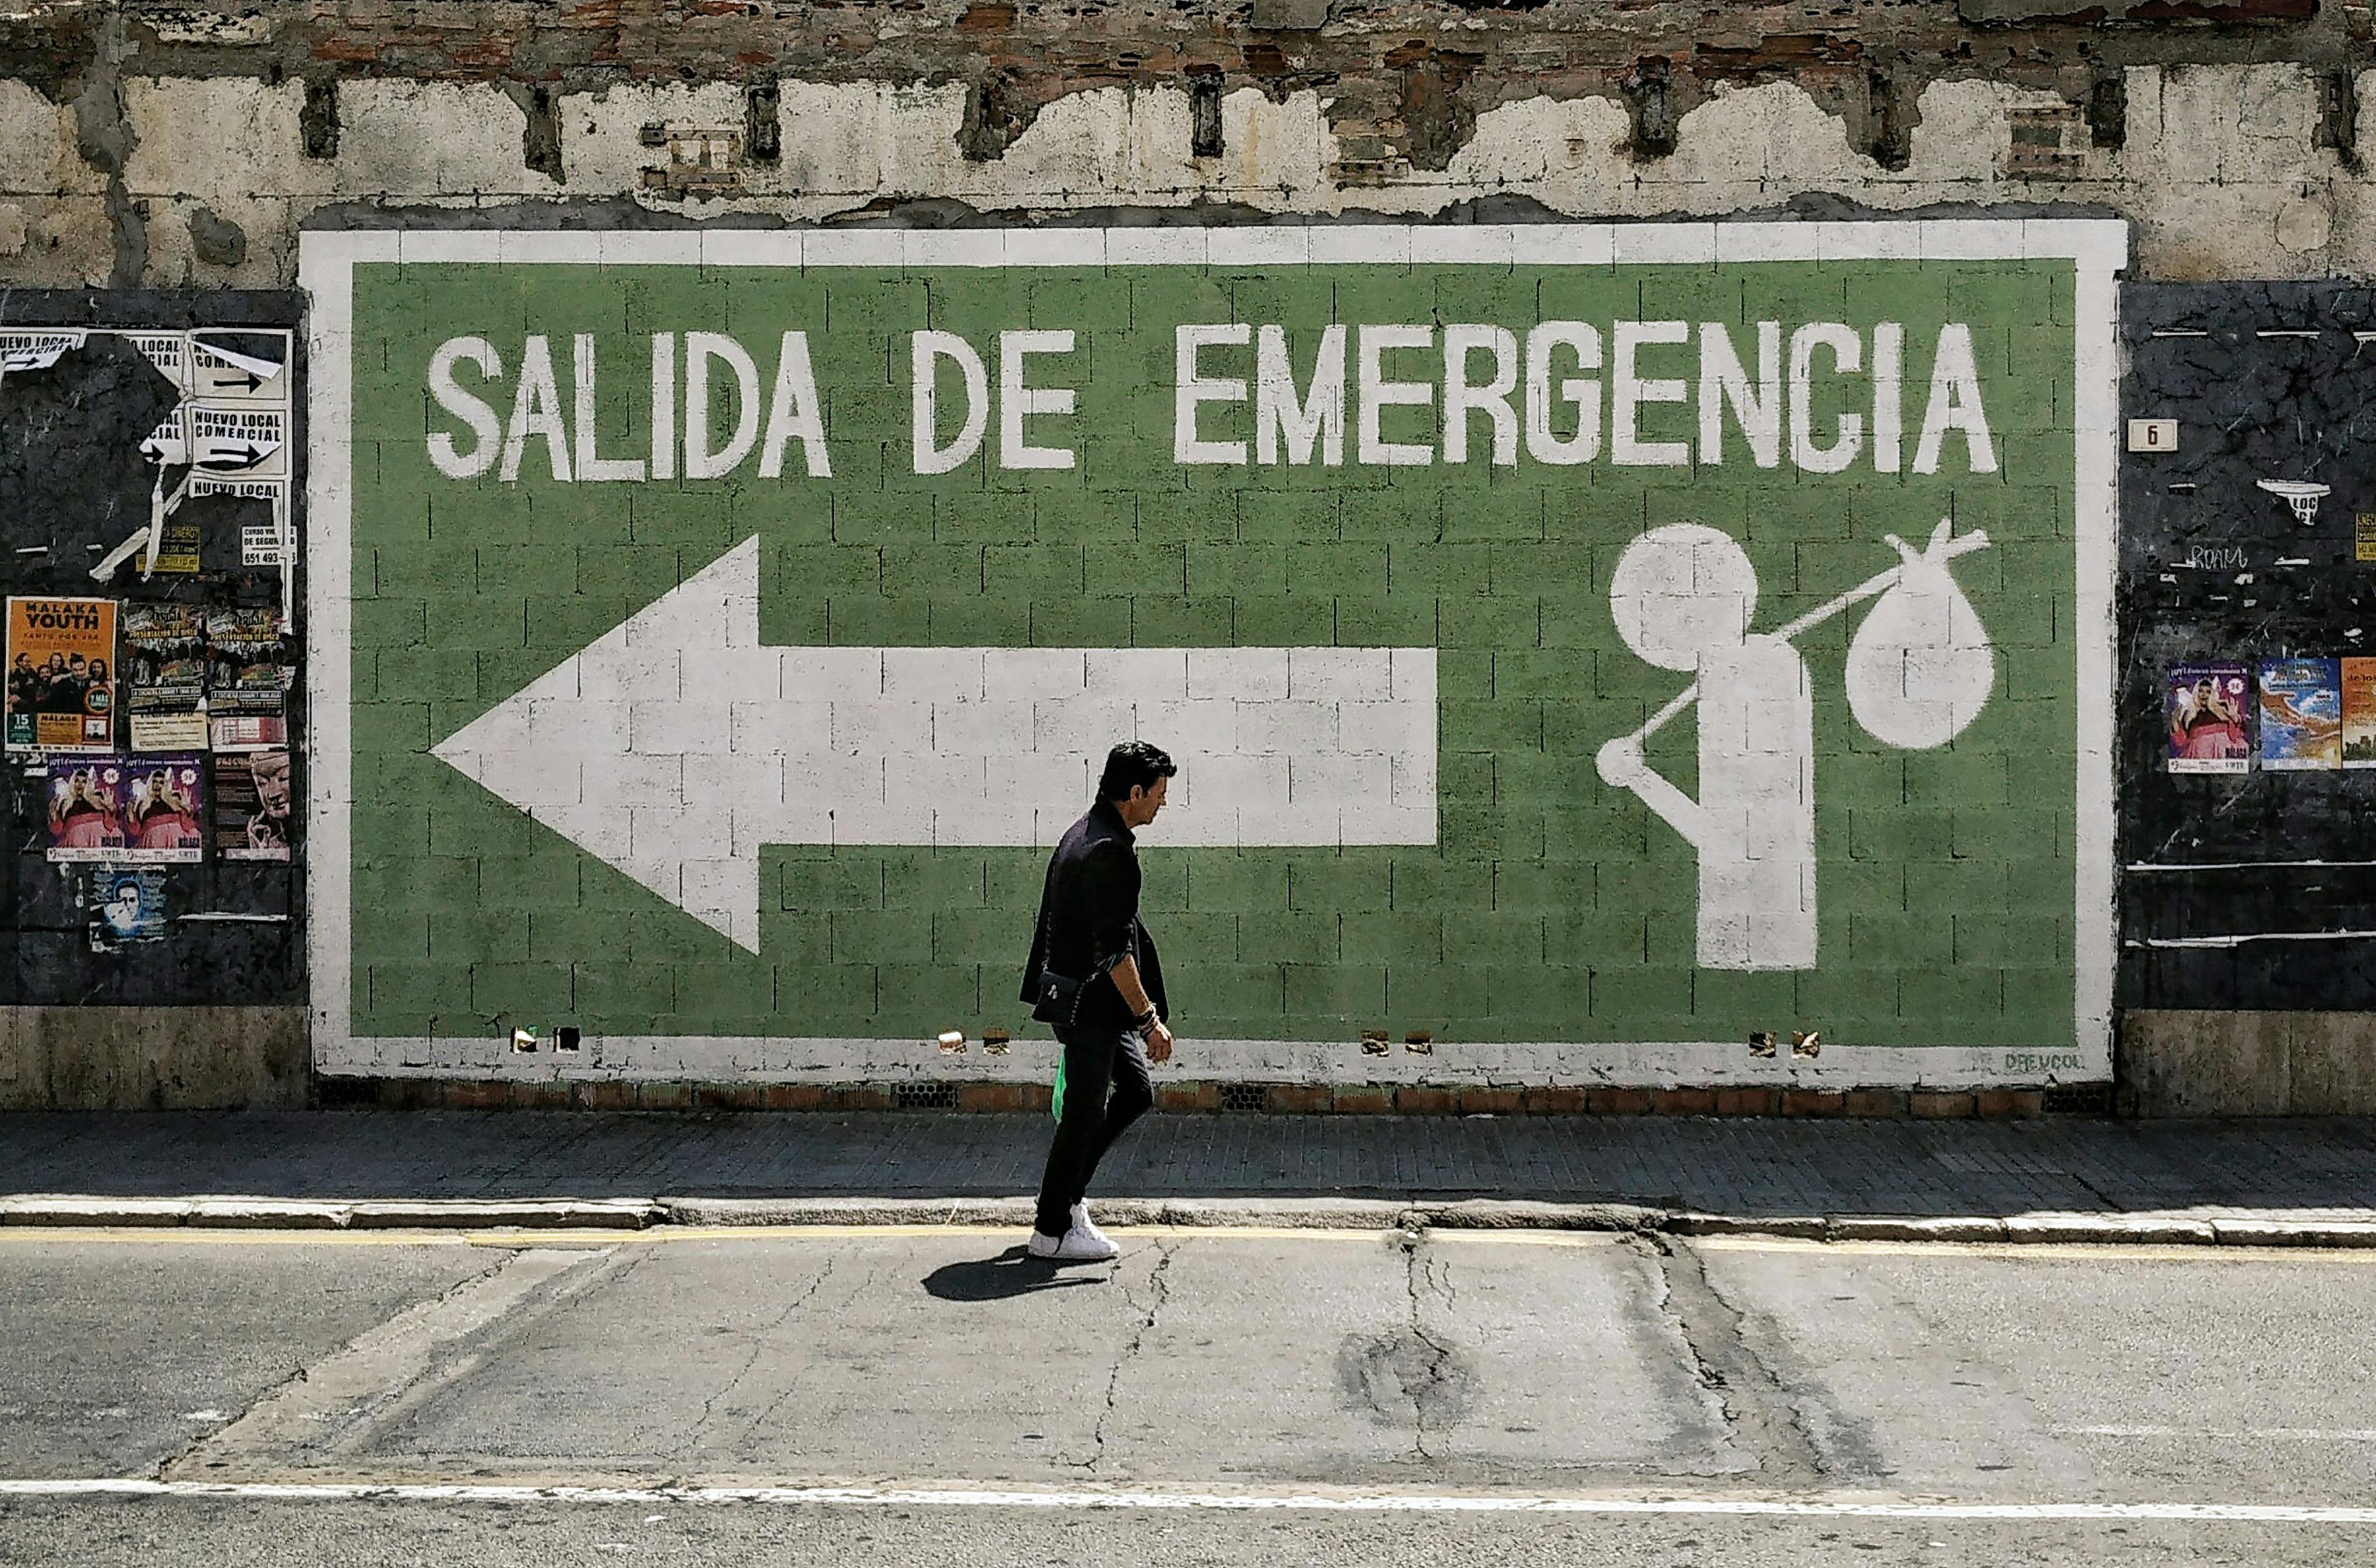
(2301, 713)
(61, 676)
(2206, 704)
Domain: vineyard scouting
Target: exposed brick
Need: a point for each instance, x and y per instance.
(1367, 1099)
(540, 1094)
(476, 1094)
(1553, 1100)
(1757, 1099)
(1876, 1102)
(2010, 1102)
(1814, 1102)
(1291, 1098)
(1194, 1096)
(1940, 1104)
(1490, 1100)
(795, 1096)
(1612, 1101)
(858, 1097)
(1683, 1102)
(991, 1097)
(607, 1094)
(731, 1097)
(1426, 1099)
(672, 1095)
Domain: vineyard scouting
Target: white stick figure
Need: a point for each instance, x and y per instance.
(1684, 598)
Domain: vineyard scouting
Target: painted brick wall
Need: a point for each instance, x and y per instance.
(571, 806)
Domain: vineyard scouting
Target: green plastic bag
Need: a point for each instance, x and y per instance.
(1056, 1099)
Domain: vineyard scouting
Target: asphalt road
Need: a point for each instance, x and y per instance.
(1444, 1399)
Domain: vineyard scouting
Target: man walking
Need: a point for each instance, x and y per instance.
(1093, 974)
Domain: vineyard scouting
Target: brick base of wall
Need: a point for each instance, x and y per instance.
(1405, 1100)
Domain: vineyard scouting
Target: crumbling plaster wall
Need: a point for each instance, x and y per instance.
(186, 143)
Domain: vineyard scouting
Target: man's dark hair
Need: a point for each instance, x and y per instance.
(1133, 765)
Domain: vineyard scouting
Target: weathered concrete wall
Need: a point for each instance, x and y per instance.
(189, 142)
(188, 145)
(107, 1058)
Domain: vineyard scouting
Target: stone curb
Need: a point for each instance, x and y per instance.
(301, 1214)
(1294, 1214)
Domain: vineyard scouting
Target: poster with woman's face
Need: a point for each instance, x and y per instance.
(84, 808)
(2207, 709)
(165, 808)
(251, 796)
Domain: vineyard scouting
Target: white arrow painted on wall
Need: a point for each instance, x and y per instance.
(675, 746)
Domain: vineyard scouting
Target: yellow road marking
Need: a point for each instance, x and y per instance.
(590, 1236)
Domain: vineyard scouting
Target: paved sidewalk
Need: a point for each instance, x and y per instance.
(2307, 1169)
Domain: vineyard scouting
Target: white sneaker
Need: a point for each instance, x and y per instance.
(1076, 1245)
(1087, 1227)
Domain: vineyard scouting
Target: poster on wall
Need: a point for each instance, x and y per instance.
(61, 676)
(164, 804)
(165, 675)
(85, 808)
(251, 807)
(2300, 714)
(128, 904)
(247, 668)
(2359, 712)
(2206, 706)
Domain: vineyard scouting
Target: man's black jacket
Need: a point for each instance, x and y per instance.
(1088, 919)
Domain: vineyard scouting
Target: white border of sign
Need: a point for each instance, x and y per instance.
(2097, 246)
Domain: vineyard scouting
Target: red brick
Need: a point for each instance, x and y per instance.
(1610, 1100)
(1188, 1095)
(991, 1097)
(1489, 1101)
(406, 1094)
(858, 1097)
(1038, 1096)
(731, 1097)
(540, 1094)
(1683, 1102)
(1553, 1100)
(1940, 1104)
(1372, 1099)
(474, 1094)
(2010, 1102)
(795, 1096)
(1814, 1102)
(1425, 1100)
(607, 1094)
(1298, 1099)
(1877, 1102)
(1749, 1099)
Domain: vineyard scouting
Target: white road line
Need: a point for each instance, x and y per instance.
(2239, 1434)
(1339, 1502)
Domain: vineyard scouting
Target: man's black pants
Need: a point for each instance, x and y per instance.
(1096, 1061)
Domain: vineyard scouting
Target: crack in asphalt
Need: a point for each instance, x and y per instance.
(1160, 1291)
(761, 1340)
(1435, 1382)
(1755, 1402)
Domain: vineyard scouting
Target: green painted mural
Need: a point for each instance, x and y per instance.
(1590, 647)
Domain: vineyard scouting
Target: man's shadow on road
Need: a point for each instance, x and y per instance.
(1014, 1272)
